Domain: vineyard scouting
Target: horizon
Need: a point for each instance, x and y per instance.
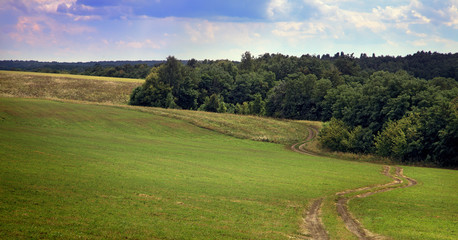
(225, 59)
(98, 30)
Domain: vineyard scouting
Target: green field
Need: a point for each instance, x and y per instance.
(72, 169)
(427, 211)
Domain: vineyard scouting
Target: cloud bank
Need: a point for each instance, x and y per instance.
(85, 30)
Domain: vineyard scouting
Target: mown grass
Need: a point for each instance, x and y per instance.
(428, 210)
(88, 171)
(66, 86)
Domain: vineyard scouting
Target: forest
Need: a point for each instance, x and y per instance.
(403, 108)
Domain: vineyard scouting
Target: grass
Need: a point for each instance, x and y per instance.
(428, 210)
(254, 128)
(72, 76)
(66, 86)
(88, 171)
(74, 169)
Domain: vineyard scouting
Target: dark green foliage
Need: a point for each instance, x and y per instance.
(215, 80)
(153, 93)
(214, 103)
(391, 113)
(413, 120)
(360, 140)
(335, 135)
(400, 139)
(425, 65)
(247, 63)
(258, 106)
(294, 98)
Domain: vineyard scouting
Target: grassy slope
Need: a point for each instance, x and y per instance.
(66, 86)
(428, 210)
(415, 223)
(241, 126)
(71, 76)
(74, 170)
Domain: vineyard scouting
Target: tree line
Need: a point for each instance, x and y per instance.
(122, 69)
(388, 113)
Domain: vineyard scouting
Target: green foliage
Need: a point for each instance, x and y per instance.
(258, 106)
(368, 102)
(153, 93)
(243, 108)
(360, 140)
(247, 63)
(293, 98)
(335, 135)
(400, 139)
(214, 103)
(347, 65)
(439, 131)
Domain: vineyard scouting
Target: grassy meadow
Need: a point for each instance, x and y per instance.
(82, 164)
(255, 128)
(426, 211)
(87, 171)
(67, 86)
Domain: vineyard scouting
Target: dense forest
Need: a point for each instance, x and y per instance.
(402, 108)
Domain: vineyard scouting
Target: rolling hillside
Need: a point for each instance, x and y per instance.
(72, 169)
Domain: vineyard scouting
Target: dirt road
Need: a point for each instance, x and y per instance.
(312, 221)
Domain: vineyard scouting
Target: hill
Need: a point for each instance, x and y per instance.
(67, 86)
(92, 171)
(74, 169)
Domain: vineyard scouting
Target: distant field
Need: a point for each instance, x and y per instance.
(86, 171)
(66, 86)
(72, 76)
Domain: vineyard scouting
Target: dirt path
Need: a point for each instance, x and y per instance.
(312, 220)
(300, 146)
(352, 224)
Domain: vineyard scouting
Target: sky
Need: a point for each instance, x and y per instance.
(99, 30)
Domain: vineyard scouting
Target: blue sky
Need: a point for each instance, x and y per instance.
(93, 30)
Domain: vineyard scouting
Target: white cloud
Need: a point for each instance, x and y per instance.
(203, 31)
(49, 6)
(298, 29)
(333, 16)
(422, 18)
(391, 13)
(452, 13)
(146, 44)
(278, 8)
(43, 30)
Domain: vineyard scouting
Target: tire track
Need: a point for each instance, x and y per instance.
(352, 224)
(300, 146)
(312, 220)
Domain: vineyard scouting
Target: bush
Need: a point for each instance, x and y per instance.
(335, 135)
